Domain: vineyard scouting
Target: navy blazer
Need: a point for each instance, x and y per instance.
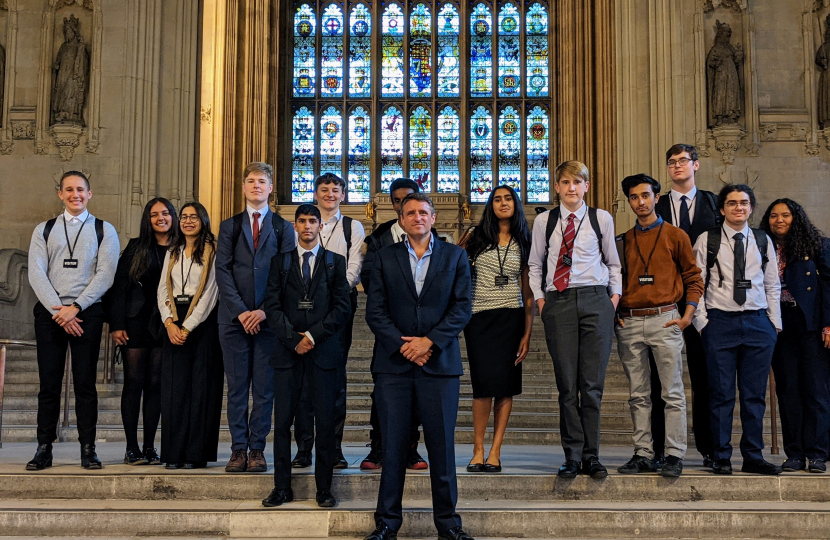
(440, 312)
(242, 276)
(707, 216)
(808, 280)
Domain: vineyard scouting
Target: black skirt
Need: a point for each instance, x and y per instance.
(493, 337)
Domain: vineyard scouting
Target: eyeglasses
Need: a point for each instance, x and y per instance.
(188, 217)
(682, 162)
(733, 204)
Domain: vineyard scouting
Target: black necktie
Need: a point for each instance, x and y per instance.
(739, 294)
(307, 269)
(685, 222)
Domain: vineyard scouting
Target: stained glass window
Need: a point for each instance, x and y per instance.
(481, 154)
(420, 52)
(420, 147)
(331, 58)
(538, 168)
(391, 147)
(359, 145)
(449, 136)
(510, 63)
(305, 56)
(481, 51)
(331, 141)
(360, 52)
(449, 71)
(536, 45)
(392, 63)
(302, 156)
(510, 143)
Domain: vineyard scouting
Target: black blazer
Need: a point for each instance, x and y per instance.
(707, 216)
(808, 280)
(332, 308)
(126, 297)
(440, 312)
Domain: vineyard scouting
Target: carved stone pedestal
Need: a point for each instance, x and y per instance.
(825, 134)
(727, 141)
(67, 138)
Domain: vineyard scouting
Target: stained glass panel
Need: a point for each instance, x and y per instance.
(391, 147)
(538, 169)
(509, 55)
(302, 156)
(360, 52)
(510, 144)
(331, 141)
(359, 145)
(536, 45)
(331, 56)
(420, 52)
(449, 135)
(481, 52)
(420, 147)
(449, 71)
(392, 24)
(305, 25)
(481, 154)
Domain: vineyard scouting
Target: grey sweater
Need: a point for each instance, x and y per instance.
(55, 285)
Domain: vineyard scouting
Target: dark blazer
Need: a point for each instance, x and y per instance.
(440, 313)
(242, 276)
(126, 297)
(707, 216)
(808, 280)
(332, 308)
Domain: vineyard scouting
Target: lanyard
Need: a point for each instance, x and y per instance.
(650, 255)
(498, 255)
(573, 242)
(674, 209)
(184, 281)
(326, 245)
(72, 247)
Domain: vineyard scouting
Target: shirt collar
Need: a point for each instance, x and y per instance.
(335, 217)
(69, 218)
(655, 224)
(251, 211)
(429, 249)
(730, 232)
(564, 212)
(397, 231)
(676, 195)
(314, 250)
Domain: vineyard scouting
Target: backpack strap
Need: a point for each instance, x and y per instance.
(99, 230)
(347, 235)
(553, 218)
(761, 240)
(592, 217)
(277, 223)
(47, 229)
(712, 249)
(620, 241)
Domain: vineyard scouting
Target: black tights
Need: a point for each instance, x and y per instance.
(142, 374)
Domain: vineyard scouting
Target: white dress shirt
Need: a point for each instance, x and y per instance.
(262, 213)
(398, 234)
(675, 198)
(69, 218)
(311, 261)
(192, 277)
(333, 239)
(766, 287)
(588, 268)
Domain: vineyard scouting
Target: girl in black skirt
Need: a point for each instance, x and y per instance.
(134, 324)
(192, 372)
(498, 335)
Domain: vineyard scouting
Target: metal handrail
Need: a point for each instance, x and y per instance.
(3, 344)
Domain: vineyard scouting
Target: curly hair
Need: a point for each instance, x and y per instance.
(486, 235)
(803, 238)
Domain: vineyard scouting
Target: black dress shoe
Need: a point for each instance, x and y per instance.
(341, 462)
(173, 466)
(133, 456)
(489, 468)
(475, 467)
(569, 469)
(382, 532)
(817, 466)
(42, 459)
(325, 499)
(301, 460)
(152, 456)
(594, 468)
(761, 466)
(89, 459)
(793, 464)
(194, 465)
(722, 466)
(278, 497)
(456, 533)
(708, 462)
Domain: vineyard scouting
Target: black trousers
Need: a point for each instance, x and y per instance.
(376, 434)
(52, 341)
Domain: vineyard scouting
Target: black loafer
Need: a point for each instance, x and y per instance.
(301, 460)
(325, 499)
(761, 466)
(382, 532)
(133, 456)
(89, 459)
(594, 468)
(152, 456)
(194, 465)
(278, 497)
(42, 459)
(569, 469)
(456, 533)
(817, 466)
(722, 466)
(793, 465)
(475, 467)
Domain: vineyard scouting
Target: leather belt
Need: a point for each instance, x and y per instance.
(646, 312)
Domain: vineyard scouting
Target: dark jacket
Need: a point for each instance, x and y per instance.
(440, 312)
(707, 216)
(808, 280)
(126, 298)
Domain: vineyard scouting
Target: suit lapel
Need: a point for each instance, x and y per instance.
(434, 261)
(266, 231)
(246, 230)
(665, 208)
(403, 260)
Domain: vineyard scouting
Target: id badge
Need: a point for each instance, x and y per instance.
(305, 304)
(183, 299)
(567, 260)
(646, 279)
(743, 283)
(70, 263)
(501, 280)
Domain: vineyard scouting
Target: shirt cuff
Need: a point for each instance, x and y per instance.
(308, 335)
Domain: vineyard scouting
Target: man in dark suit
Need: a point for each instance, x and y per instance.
(307, 301)
(418, 361)
(694, 211)
(247, 242)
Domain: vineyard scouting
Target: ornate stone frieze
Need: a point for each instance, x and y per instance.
(67, 138)
(727, 142)
(784, 131)
(206, 113)
(23, 130)
(712, 5)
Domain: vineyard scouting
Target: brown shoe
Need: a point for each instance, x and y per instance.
(256, 461)
(238, 462)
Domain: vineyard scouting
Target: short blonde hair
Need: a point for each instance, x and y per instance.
(573, 168)
(258, 166)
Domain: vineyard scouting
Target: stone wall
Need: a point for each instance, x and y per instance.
(16, 296)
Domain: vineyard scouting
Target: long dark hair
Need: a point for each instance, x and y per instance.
(485, 235)
(803, 238)
(205, 235)
(145, 247)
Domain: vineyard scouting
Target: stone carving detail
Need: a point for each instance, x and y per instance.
(724, 84)
(70, 77)
(812, 149)
(88, 4)
(42, 148)
(793, 132)
(23, 130)
(2, 81)
(92, 147)
(6, 147)
(207, 113)
(727, 142)
(712, 5)
(823, 92)
(67, 138)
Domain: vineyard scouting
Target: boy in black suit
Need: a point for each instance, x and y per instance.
(307, 302)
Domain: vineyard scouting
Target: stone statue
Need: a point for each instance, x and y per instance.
(2, 80)
(724, 81)
(823, 94)
(70, 77)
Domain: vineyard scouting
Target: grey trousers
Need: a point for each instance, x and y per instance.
(579, 329)
(639, 336)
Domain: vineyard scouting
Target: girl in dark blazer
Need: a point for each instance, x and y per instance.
(801, 362)
(134, 324)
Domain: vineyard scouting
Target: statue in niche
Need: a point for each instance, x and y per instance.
(724, 81)
(70, 77)
(823, 94)
(2, 80)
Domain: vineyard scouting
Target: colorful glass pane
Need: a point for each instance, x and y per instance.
(536, 45)
(305, 25)
(331, 141)
(481, 51)
(449, 70)
(449, 135)
(360, 52)
(510, 144)
(302, 156)
(331, 55)
(510, 64)
(391, 147)
(538, 169)
(481, 154)
(359, 145)
(392, 24)
(420, 52)
(420, 147)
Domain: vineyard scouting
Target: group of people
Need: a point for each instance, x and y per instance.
(270, 305)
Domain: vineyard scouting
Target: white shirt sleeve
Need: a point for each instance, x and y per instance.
(163, 294)
(609, 249)
(772, 286)
(355, 254)
(206, 303)
(537, 254)
(701, 319)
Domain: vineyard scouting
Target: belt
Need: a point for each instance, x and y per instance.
(646, 312)
(788, 303)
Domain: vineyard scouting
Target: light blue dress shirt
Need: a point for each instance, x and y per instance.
(419, 267)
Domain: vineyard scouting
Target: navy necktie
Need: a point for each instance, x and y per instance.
(307, 269)
(739, 295)
(685, 222)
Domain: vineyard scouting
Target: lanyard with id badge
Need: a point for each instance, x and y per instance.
(647, 279)
(184, 299)
(72, 262)
(502, 279)
(567, 258)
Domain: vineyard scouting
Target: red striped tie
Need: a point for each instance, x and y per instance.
(563, 271)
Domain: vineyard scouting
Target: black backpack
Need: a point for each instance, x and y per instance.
(553, 219)
(713, 247)
(99, 230)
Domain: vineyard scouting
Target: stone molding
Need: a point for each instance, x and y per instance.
(13, 263)
(11, 13)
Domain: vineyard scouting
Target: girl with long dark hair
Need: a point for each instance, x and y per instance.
(801, 362)
(134, 324)
(498, 335)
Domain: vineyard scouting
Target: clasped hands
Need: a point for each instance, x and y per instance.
(66, 317)
(417, 349)
(250, 320)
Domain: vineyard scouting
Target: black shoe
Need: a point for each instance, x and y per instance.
(594, 468)
(569, 469)
(708, 462)
(722, 466)
(638, 464)
(89, 459)
(152, 456)
(301, 460)
(194, 465)
(492, 468)
(42, 459)
(659, 460)
(341, 462)
(374, 460)
(133, 456)
(817, 466)
(414, 461)
(475, 467)
(173, 466)
(325, 499)
(761, 466)
(278, 497)
(673, 467)
(382, 532)
(793, 464)
(456, 533)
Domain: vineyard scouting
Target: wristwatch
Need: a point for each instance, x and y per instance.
(77, 306)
